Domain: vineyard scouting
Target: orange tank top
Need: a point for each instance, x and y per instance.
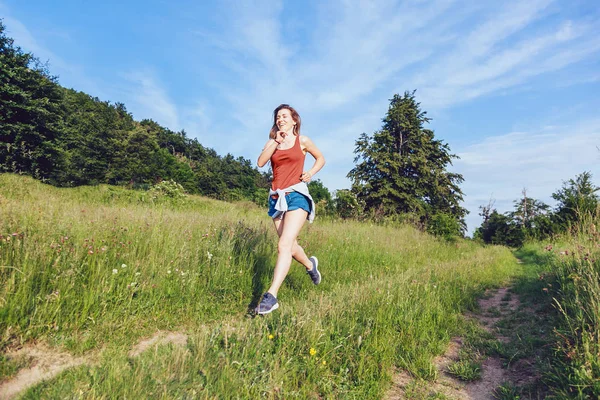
(287, 166)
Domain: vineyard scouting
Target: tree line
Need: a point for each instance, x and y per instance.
(69, 138)
(532, 219)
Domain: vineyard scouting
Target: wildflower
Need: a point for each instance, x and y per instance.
(270, 336)
(209, 255)
(133, 284)
(168, 271)
(123, 265)
(91, 252)
(138, 273)
(312, 351)
(324, 362)
(115, 271)
(103, 248)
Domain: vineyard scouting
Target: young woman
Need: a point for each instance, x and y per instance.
(290, 204)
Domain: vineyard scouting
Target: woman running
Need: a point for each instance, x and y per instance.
(290, 204)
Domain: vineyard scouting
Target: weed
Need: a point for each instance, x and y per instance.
(507, 391)
(465, 370)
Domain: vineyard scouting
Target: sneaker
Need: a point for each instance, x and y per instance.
(267, 304)
(314, 273)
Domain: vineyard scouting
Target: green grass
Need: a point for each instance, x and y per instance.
(507, 391)
(465, 370)
(92, 270)
(572, 280)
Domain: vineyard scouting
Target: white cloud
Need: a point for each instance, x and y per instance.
(362, 53)
(146, 97)
(355, 56)
(69, 74)
(501, 166)
(359, 49)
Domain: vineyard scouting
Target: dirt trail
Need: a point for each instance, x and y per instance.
(160, 338)
(496, 305)
(47, 363)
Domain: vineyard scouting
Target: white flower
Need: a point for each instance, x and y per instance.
(168, 271)
(115, 271)
(138, 273)
(209, 255)
(133, 283)
(123, 265)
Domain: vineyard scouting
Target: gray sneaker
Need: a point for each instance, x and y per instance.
(267, 304)
(314, 273)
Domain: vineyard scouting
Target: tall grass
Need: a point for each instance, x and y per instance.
(575, 265)
(94, 269)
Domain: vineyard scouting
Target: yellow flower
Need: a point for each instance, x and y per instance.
(312, 351)
(271, 337)
(324, 362)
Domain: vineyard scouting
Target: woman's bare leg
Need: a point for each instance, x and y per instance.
(290, 228)
(297, 251)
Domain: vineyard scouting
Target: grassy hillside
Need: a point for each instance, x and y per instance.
(571, 276)
(96, 269)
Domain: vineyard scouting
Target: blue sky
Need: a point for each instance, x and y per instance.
(513, 87)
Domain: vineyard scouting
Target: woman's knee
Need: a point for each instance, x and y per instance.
(285, 244)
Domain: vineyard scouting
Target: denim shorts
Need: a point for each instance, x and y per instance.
(294, 200)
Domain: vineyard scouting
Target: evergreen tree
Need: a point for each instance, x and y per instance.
(534, 217)
(30, 112)
(402, 167)
(500, 229)
(576, 199)
(71, 138)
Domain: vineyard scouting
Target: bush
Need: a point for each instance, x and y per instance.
(167, 190)
(444, 225)
(346, 204)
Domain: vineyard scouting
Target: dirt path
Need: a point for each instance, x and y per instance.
(46, 363)
(495, 307)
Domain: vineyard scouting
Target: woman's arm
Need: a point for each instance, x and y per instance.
(314, 151)
(267, 152)
(269, 149)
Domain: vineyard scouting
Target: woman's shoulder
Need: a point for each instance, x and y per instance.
(304, 139)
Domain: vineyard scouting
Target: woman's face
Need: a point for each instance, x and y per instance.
(284, 120)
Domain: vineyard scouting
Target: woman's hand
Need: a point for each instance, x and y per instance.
(306, 177)
(280, 136)
(269, 149)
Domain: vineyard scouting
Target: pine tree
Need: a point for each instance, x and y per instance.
(402, 167)
(576, 199)
(30, 112)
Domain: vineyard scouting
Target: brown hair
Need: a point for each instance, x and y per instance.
(295, 117)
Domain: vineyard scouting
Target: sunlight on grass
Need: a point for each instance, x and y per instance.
(98, 268)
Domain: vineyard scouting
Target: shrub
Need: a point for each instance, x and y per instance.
(167, 190)
(444, 225)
